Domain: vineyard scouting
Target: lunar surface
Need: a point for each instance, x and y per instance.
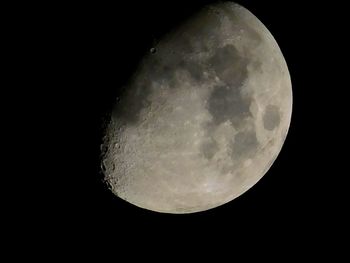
(204, 116)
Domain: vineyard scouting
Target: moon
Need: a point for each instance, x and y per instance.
(204, 116)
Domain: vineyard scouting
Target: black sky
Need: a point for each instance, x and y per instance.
(89, 50)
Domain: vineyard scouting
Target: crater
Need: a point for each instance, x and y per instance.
(271, 118)
(227, 103)
(244, 145)
(153, 50)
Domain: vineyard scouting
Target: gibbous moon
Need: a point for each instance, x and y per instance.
(204, 116)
